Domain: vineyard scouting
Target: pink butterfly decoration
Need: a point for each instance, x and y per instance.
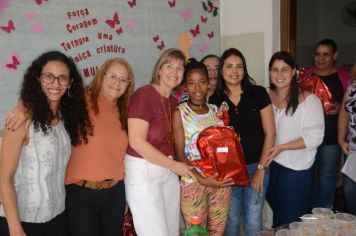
(132, 24)
(37, 28)
(15, 62)
(203, 19)
(155, 38)
(211, 35)
(132, 3)
(4, 4)
(30, 15)
(195, 31)
(186, 14)
(172, 3)
(119, 30)
(115, 21)
(161, 46)
(10, 26)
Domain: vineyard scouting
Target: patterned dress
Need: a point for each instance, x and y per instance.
(350, 107)
(211, 204)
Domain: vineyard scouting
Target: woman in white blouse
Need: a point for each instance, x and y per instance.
(300, 129)
(33, 160)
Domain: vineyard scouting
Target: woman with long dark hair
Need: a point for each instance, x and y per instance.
(251, 115)
(300, 129)
(33, 161)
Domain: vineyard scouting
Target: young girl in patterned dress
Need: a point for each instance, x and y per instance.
(206, 197)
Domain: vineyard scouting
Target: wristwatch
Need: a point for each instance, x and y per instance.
(261, 167)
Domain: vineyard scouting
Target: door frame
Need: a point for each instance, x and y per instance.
(288, 25)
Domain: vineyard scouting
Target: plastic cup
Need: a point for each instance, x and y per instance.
(323, 213)
(345, 220)
(266, 233)
(286, 232)
(309, 218)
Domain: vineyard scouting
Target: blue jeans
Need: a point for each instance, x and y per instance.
(350, 194)
(246, 205)
(289, 193)
(326, 163)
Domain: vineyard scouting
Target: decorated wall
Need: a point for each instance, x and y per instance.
(91, 31)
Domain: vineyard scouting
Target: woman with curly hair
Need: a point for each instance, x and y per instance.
(95, 201)
(33, 161)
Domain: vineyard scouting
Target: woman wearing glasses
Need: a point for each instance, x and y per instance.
(33, 161)
(95, 201)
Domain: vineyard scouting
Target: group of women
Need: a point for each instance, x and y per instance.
(131, 147)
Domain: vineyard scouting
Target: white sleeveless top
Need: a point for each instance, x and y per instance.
(39, 178)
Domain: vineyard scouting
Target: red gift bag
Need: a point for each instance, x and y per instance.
(315, 85)
(221, 152)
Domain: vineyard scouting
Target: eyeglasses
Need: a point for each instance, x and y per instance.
(211, 70)
(62, 79)
(123, 80)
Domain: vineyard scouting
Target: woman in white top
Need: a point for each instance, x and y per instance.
(300, 128)
(33, 160)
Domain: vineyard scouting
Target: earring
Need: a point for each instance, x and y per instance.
(68, 92)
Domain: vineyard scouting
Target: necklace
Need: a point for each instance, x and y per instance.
(169, 120)
(197, 105)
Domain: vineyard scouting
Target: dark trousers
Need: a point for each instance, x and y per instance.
(54, 227)
(289, 193)
(92, 212)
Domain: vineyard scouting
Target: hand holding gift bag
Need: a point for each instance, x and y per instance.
(221, 152)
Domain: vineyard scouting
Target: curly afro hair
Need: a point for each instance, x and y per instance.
(72, 107)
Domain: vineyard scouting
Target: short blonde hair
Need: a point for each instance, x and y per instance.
(166, 56)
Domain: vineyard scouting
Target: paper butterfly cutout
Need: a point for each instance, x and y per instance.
(203, 19)
(12, 66)
(39, 2)
(4, 4)
(30, 15)
(115, 21)
(172, 3)
(132, 3)
(10, 26)
(161, 46)
(37, 28)
(119, 31)
(211, 34)
(155, 38)
(195, 31)
(131, 24)
(204, 48)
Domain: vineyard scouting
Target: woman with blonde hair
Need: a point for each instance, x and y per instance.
(152, 186)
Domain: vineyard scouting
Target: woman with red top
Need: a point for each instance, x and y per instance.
(151, 181)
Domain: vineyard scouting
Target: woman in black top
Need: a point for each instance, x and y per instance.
(251, 115)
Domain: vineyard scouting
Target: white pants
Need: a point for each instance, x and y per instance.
(153, 195)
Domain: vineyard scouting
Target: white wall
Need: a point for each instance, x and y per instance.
(252, 27)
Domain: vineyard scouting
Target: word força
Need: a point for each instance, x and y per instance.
(78, 13)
